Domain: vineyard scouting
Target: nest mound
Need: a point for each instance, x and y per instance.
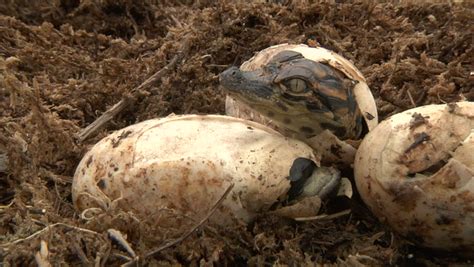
(64, 63)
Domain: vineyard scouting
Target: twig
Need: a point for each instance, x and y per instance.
(3, 162)
(79, 251)
(49, 227)
(440, 99)
(103, 255)
(178, 23)
(122, 104)
(186, 235)
(4, 207)
(127, 100)
(324, 216)
(411, 98)
(362, 257)
(121, 257)
(217, 66)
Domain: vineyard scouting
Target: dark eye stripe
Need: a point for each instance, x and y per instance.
(351, 102)
(361, 126)
(306, 129)
(286, 55)
(332, 82)
(333, 102)
(316, 107)
(338, 130)
(294, 98)
(329, 71)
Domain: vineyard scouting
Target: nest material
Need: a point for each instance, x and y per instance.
(63, 63)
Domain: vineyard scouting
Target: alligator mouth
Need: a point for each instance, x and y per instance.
(248, 86)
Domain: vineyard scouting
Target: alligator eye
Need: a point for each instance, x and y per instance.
(296, 85)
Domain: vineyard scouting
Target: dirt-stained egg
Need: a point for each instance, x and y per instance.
(186, 163)
(415, 171)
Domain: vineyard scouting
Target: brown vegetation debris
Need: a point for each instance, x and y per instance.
(64, 63)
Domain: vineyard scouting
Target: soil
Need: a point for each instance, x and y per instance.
(64, 63)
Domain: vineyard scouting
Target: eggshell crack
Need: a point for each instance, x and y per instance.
(332, 150)
(415, 171)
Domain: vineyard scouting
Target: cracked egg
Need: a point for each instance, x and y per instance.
(185, 163)
(415, 171)
(309, 93)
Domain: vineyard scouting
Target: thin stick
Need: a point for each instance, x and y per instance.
(127, 100)
(324, 216)
(3, 161)
(122, 257)
(186, 235)
(47, 228)
(122, 104)
(79, 251)
(411, 98)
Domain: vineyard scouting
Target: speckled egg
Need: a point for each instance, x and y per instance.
(186, 163)
(415, 171)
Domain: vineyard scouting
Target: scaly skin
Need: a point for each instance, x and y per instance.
(305, 98)
(299, 95)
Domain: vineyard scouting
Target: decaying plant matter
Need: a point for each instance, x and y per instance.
(64, 63)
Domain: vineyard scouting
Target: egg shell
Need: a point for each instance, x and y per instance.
(331, 149)
(186, 163)
(362, 93)
(415, 171)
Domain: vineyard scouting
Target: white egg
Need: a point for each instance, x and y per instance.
(185, 163)
(415, 171)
